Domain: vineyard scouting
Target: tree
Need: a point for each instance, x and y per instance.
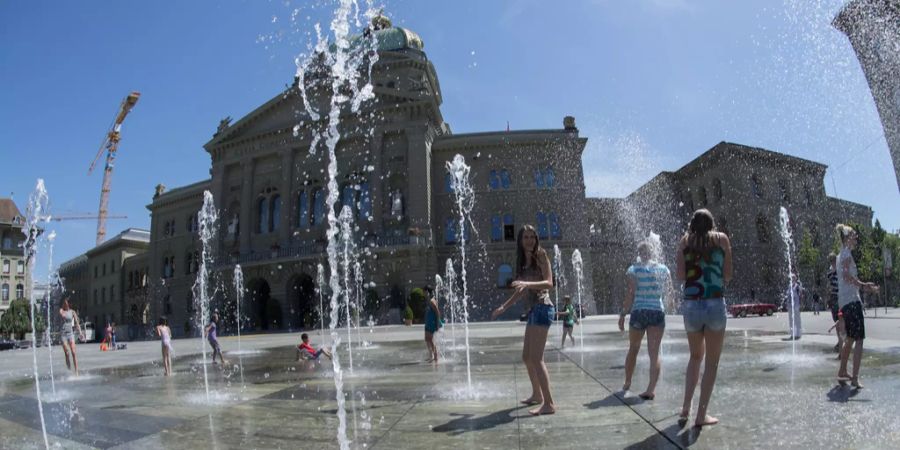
(808, 258)
(417, 302)
(17, 319)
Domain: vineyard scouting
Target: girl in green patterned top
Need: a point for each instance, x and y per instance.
(569, 321)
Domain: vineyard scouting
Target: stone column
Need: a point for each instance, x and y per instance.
(248, 206)
(287, 197)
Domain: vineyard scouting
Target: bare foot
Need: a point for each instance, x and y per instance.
(647, 395)
(684, 416)
(532, 401)
(707, 420)
(544, 409)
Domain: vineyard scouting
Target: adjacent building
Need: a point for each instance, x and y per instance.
(14, 276)
(873, 27)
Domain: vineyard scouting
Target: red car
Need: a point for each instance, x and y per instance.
(762, 309)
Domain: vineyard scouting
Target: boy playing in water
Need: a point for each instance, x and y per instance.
(304, 349)
(569, 320)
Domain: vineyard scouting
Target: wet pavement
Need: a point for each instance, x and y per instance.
(770, 393)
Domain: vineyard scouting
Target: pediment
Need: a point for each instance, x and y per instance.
(283, 111)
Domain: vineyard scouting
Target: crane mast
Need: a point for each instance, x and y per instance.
(111, 144)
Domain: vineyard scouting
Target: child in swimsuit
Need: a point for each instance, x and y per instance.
(305, 349)
(165, 336)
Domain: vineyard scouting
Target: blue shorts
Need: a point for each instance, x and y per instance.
(643, 318)
(700, 315)
(542, 315)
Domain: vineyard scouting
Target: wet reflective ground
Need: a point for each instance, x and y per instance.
(768, 395)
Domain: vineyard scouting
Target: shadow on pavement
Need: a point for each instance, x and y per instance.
(468, 422)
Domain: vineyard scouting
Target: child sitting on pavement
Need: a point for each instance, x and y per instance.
(304, 350)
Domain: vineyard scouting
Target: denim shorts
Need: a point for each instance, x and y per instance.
(643, 318)
(542, 315)
(700, 315)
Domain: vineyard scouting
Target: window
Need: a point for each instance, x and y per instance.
(504, 275)
(112, 293)
(112, 266)
(318, 207)
(494, 180)
(7, 242)
(809, 196)
(262, 215)
(348, 197)
(365, 202)
(549, 177)
(103, 295)
(504, 179)
(762, 228)
(5, 266)
(754, 185)
(20, 291)
(509, 228)
(302, 210)
(104, 270)
(702, 194)
(167, 304)
(5, 292)
(275, 217)
(189, 304)
(555, 231)
(785, 193)
(717, 189)
(95, 271)
(542, 228)
(95, 297)
(496, 229)
(538, 178)
(168, 266)
(448, 183)
(450, 231)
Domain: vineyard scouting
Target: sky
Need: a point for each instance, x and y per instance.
(652, 85)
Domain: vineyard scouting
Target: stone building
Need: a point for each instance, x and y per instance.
(873, 28)
(14, 276)
(745, 188)
(270, 193)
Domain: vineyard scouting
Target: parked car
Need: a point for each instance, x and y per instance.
(743, 309)
(8, 344)
(88, 332)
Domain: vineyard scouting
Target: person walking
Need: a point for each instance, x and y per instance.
(851, 307)
(703, 263)
(165, 338)
(213, 339)
(534, 279)
(833, 304)
(648, 281)
(433, 323)
(570, 318)
(70, 324)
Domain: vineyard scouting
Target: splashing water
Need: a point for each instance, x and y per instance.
(557, 271)
(450, 276)
(788, 239)
(207, 218)
(358, 285)
(37, 213)
(239, 298)
(320, 285)
(346, 222)
(54, 284)
(465, 202)
(578, 269)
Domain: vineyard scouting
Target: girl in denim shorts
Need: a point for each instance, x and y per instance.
(704, 265)
(534, 279)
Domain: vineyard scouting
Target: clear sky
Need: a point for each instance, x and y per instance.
(652, 84)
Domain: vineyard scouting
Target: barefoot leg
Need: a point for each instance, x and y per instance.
(692, 374)
(714, 341)
(634, 346)
(654, 339)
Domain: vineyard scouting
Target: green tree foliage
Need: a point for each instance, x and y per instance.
(808, 257)
(17, 320)
(417, 303)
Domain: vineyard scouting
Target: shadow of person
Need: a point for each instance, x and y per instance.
(665, 437)
(468, 422)
(614, 400)
(843, 394)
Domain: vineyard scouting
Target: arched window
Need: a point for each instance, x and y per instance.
(302, 210)
(754, 186)
(4, 294)
(542, 228)
(262, 215)
(448, 183)
(20, 291)
(504, 179)
(538, 178)
(7, 241)
(6, 266)
(717, 189)
(365, 202)
(549, 177)
(494, 180)
(318, 206)
(504, 275)
(189, 263)
(555, 231)
(275, 216)
(702, 193)
(450, 231)
(509, 228)
(496, 229)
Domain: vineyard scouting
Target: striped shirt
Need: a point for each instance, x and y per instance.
(833, 282)
(650, 281)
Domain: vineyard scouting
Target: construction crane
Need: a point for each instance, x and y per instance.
(83, 217)
(111, 144)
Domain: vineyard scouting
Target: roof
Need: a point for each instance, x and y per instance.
(9, 212)
(492, 138)
(180, 193)
(727, 150)
(131, 236)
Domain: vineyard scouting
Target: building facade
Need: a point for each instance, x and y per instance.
(14, 276)
(873, 28)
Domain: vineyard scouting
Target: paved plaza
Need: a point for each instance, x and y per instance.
(770, 393)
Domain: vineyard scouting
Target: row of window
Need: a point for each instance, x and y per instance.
(191, 225)
(137, 279)
(499, 179)
(101, 300)
(503, 227)
(20, 267)
(4, 293)
(191, 266)
(311, 207)
(112, 269)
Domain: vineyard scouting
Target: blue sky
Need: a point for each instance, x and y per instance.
(652, 84)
